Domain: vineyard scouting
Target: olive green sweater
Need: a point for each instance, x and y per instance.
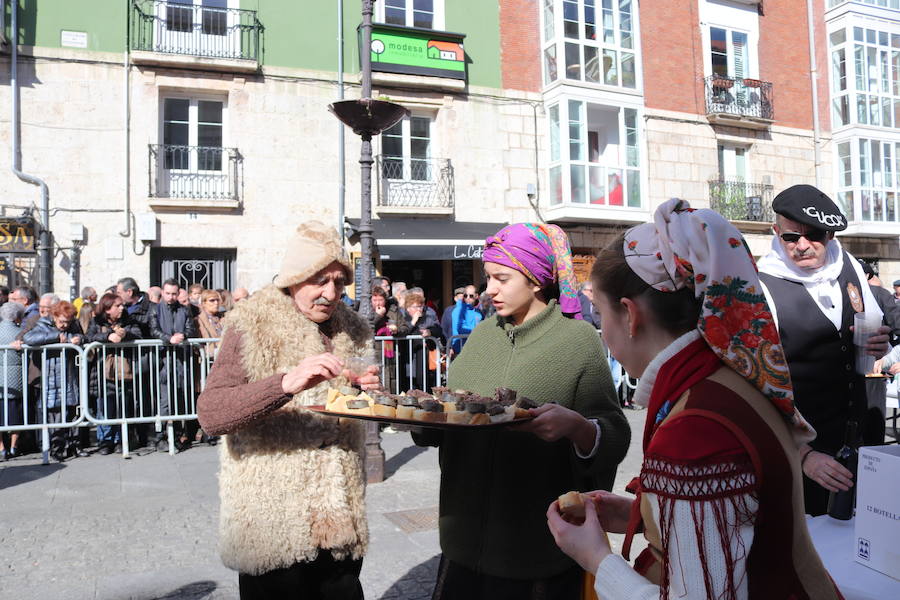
(496, 484)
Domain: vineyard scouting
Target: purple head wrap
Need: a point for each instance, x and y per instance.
(540, 252)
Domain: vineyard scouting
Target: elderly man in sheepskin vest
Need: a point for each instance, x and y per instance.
(292, 485)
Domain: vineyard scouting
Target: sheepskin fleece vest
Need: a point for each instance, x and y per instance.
(292, 483)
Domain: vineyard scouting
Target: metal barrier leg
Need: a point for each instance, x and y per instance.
(125, 448)
(45, 446)
(170, 433)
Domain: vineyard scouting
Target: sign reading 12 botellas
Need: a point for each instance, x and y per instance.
(418, 52)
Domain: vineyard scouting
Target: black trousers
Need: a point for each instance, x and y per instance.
(456, 582)
(322, 579)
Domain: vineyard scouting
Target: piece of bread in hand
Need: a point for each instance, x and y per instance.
(572, 506)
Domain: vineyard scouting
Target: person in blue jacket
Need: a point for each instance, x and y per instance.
(465, 316)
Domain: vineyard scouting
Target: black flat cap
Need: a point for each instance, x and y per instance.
(897, 283)
(809, 205)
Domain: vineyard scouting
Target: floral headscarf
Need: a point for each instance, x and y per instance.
(699, 249)
(540, 252)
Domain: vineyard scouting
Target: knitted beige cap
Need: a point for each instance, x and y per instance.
(311, 249)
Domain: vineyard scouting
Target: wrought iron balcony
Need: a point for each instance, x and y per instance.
(183, 28)
(418, 184)
(194, 172)
(739, 201)
(733, 98)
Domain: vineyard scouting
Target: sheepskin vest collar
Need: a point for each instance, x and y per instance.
(292, 483)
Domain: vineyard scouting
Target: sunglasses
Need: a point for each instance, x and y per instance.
(470, 295)
(813, 235)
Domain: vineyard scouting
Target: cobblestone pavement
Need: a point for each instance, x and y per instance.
(103, 528)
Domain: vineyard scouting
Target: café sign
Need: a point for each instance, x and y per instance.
(16, 235)
(418, 52)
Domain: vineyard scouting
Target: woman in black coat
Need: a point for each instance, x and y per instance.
(111, 370)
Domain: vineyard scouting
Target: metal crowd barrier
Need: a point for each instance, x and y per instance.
(124, 385)
(406, 362)
(114, 385)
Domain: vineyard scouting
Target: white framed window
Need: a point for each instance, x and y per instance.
(425, 14)
(406, 150)
(729, 52)
(732, 163)
(868, 179)
(192, 133)
(595, 40)
(594, 154)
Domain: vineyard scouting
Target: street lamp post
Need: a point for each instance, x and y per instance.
(367, 118)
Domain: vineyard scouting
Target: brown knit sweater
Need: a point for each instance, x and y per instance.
(229, 401)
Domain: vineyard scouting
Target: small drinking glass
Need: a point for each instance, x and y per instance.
(359, 365)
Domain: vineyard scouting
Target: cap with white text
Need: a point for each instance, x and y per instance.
(809, 205)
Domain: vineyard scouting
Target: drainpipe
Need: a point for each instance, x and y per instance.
(815, 89)
(126, 91)
(342, 175)
(45, 285)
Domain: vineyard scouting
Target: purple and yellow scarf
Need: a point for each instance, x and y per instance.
(541, 253)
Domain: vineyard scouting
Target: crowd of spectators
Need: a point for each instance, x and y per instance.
(39, 382)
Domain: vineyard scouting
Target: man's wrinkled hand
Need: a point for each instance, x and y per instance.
(310, 372)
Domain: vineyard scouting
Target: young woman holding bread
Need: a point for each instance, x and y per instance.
(719, 496)
(496, 483)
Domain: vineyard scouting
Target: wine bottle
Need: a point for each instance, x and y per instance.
(840, 503)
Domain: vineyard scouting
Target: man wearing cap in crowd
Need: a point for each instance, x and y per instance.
(897, 290)
(814, 288)
(291, 481)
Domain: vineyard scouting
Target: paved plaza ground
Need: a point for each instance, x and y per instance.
(105, 528)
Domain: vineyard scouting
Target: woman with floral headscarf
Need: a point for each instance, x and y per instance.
(719, 496)
(496, 483)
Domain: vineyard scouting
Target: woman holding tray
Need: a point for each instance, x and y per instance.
(496, 483)
(720, 495)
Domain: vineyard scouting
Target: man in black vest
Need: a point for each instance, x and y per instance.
(814, 288)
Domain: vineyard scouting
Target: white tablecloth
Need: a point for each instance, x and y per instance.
(835, 543)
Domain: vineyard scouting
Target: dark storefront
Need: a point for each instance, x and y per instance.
(433, 254)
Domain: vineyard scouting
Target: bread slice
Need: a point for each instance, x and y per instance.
(457, 416)
(333, 394)
(480, 419)
(428, 416)
(405, 412)
(338, 404)
(571, 506)
(383, 410)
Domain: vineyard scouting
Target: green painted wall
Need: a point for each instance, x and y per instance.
(301, 34)
(41, 21)
(297, 34)
(480, 21)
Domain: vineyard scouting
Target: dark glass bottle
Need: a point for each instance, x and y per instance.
(840, 503)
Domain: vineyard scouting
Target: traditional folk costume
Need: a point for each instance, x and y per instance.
(719, 496)
(291, 482)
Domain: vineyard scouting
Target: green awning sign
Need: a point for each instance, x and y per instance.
(417, 52)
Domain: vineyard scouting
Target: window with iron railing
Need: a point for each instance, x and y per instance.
(203, 28)
(739, 97)
(741, 201)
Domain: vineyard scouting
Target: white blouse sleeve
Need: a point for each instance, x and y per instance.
(692, 562)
